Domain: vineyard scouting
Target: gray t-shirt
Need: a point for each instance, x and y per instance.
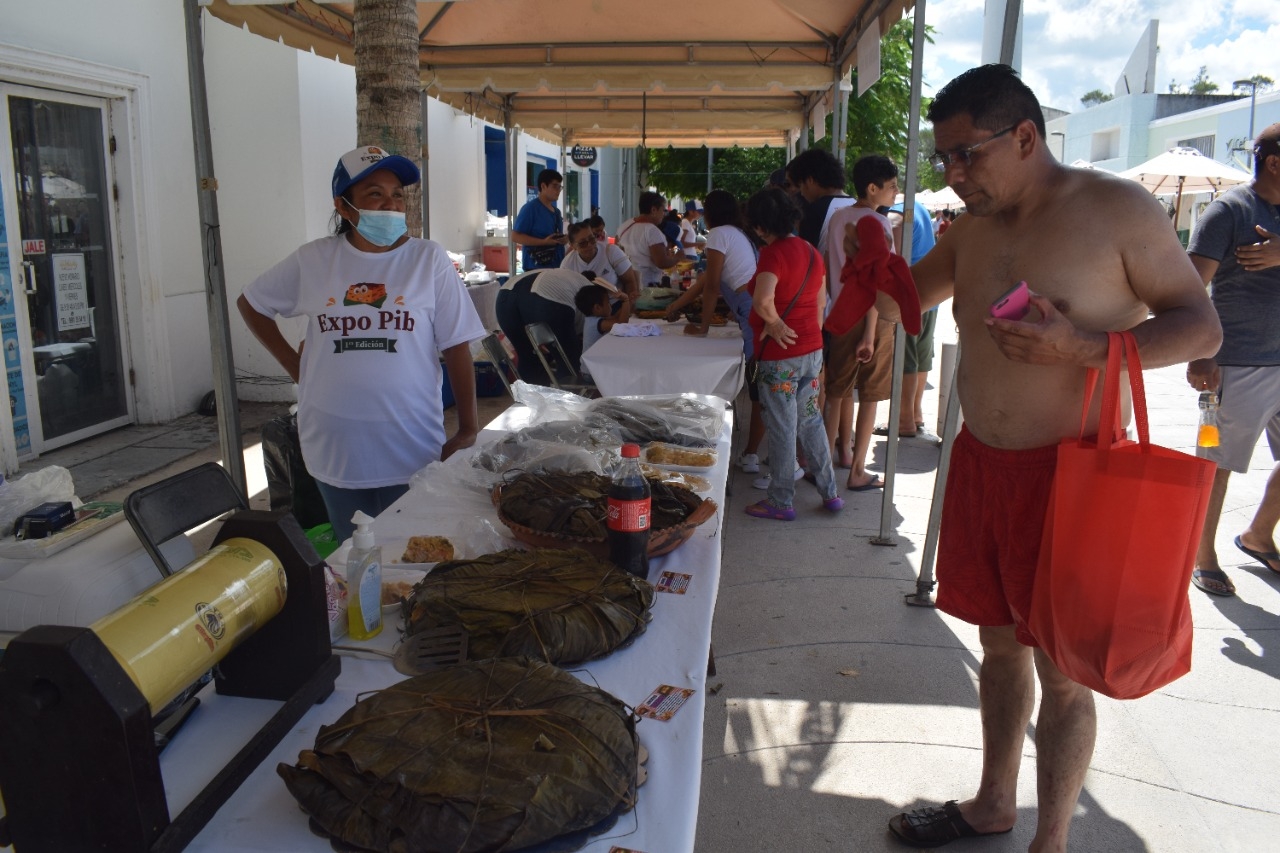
(1248, 303)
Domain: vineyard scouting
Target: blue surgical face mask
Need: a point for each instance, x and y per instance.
(380, 227)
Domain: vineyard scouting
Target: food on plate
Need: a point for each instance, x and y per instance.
(427, 549)
(666, 454)
(394, 592)
(650, 315)
(675, 478)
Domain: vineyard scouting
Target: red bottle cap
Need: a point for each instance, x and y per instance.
(630, 451)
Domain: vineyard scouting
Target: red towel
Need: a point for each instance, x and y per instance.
(874, 267)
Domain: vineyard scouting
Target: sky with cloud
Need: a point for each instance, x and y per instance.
(1070, 47)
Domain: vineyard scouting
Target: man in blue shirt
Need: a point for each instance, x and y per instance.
(539, 227)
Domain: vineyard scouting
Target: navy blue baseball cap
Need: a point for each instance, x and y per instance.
(359, 163)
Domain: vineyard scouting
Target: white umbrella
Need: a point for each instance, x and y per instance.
(944, 199)
(1184, 170)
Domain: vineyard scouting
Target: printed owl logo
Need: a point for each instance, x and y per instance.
(366, 294)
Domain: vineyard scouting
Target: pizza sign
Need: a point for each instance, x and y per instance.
(582, 155)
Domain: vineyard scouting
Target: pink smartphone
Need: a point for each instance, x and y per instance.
(1014, 304)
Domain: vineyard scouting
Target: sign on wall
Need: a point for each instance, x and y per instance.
(9, 341)
(582, 155)
(71, 292)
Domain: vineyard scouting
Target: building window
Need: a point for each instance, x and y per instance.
(1203, 144)
(1105, 145)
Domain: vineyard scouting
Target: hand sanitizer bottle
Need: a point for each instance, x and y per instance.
(364, 582)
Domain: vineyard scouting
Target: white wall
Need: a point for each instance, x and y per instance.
(455, 171)
(164, 284)
(280, 118)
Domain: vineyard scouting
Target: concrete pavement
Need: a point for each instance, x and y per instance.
(838, 706)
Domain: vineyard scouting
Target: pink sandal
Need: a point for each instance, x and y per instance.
(764, 509)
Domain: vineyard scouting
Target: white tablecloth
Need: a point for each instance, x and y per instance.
(671, 363)
(674, 650)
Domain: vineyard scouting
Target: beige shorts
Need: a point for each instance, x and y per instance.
(841, 365)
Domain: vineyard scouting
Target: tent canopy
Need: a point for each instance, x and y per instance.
(599, 72)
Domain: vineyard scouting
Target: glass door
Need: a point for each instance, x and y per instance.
(68, 325)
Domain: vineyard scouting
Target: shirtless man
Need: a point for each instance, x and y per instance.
(1021, 388)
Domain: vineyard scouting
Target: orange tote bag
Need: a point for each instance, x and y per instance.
(1110, 605)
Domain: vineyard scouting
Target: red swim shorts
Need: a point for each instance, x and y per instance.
(992, 522)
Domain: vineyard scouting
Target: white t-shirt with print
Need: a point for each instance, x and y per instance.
(369, 406)
(609, 263)
(636, 237)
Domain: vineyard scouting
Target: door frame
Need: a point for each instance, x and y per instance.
(8, 176)
(144, 330)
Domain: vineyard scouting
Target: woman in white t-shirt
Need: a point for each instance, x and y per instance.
(382, 308)
(608, 262)
(731, 264)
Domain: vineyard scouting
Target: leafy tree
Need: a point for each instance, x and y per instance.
(1094, 97)
(683, 171)
(877, 125)
(1201, 85)
(1261, 83)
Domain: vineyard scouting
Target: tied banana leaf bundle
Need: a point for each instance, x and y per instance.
(552, 605)
(490, 756)
(576, 504)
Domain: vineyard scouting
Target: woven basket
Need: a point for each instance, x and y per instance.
(660, 541)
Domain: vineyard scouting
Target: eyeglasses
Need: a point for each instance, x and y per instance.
(964, 156)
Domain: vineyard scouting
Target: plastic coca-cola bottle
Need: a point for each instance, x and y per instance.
(629, 505)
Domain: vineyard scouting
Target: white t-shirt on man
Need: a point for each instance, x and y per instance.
(689, 238)
(834, 254)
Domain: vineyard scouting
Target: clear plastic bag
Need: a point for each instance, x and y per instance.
(687, 420)
(29, 491)
(568, 446)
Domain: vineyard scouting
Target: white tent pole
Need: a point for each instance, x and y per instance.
(899, 337)
(923, 596)
(224, 369)
(513, 161)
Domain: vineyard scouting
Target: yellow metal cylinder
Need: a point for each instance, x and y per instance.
(179, 628)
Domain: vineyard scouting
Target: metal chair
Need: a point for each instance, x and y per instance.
(562, 372)
(497, 355)
(173, 506)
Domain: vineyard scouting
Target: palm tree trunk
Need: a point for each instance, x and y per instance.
(388, 111)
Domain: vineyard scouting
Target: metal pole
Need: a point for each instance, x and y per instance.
(512, 177)
(711, 161)
(908, 223)
(923, 596)
(224, 369)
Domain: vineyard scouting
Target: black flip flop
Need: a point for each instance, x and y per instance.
(935, 826)
(1206, 579)
(1264, 557)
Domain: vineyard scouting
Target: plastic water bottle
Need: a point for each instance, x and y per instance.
(629, 510)
(1207, 433)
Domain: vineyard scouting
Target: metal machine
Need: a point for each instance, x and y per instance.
(79, 766)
